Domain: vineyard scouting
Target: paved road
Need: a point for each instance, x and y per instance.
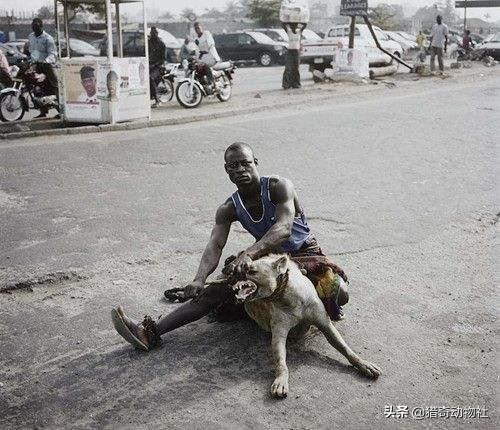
(400, 190)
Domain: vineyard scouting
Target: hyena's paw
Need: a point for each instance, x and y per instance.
(368, 369)
(280, 387)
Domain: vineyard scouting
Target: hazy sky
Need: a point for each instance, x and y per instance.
(176, 5)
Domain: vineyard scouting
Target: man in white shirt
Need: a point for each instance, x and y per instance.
(208, 53)
(42, 49)
(438, 42)
(89, 84)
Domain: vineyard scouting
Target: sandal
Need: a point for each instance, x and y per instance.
(118, 318)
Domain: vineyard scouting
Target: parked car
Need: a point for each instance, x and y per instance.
(409, 47)
(279, 35)
(250, 46)
(12, 53)
(490, 46)
(78, 48)
(320, 54)
(133, 45)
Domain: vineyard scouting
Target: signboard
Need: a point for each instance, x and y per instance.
(354, 7)
(477, 3)
(350, 63)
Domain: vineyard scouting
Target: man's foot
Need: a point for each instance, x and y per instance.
(156, 105)
(41, 115)
(142, 336)
(339, 314)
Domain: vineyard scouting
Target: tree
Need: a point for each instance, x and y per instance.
(167, 16)
(264, 12)
(213, 13)
(186, 12)
(45, 12)
(236, 9)
(387, 16)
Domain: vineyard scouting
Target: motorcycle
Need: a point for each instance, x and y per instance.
(191, 89)
(165, 86)
(30, 90)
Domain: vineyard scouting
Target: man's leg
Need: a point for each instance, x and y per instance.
(213, 295)
(433, 54)
(440, 58)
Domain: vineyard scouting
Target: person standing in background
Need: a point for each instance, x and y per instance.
(438, 43)
(291, 74)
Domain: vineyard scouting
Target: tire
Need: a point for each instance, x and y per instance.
(265, 59)
(225, 94)
(165, 90)
(11, 108)
(183, 97)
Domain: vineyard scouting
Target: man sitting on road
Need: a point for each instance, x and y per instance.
(208, 52)
(42, 50)
(438, 42)
(269, 209)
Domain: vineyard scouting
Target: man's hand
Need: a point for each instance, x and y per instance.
(239, 266)
(193, 289)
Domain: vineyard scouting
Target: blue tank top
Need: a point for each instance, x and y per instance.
(258, 228)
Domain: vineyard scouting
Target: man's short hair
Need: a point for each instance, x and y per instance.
(36, 19)
(87, 72)
(197, 24)
(237, 146)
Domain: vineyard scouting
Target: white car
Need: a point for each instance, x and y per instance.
(408, 46)
(363, 39)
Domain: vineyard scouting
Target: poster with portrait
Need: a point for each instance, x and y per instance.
(80, 90)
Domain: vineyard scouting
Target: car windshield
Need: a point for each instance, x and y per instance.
(82, 47)
(310, 35)
(261, 38)
(494, 38)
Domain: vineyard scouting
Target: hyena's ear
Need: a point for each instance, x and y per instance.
(281, 265)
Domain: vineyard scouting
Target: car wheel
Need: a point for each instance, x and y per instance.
(265, 59)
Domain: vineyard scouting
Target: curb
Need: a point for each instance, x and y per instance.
(134, 125)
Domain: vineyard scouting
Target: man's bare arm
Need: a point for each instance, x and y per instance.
(211, 256)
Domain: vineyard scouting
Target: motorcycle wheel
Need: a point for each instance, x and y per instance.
(224, 94)
(165, 90)
(11, 108)
(186, 97)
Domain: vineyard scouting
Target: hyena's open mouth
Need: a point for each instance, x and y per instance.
(245, 290)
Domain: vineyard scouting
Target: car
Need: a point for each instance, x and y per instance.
(133, 45)
(408, 46)
(490, 46)
(250, 46)
(12, 53)
(78, 48)
(279, 35)
(320, 54)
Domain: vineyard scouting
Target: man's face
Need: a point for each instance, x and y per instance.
(154, 33)
(37, 27)
(240, 167)
(90, 85)
(438, 19)
(199, 29)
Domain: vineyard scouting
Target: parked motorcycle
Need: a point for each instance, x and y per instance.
(195, 85)
(29, 91)
(165, 86)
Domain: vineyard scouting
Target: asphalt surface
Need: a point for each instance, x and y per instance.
(400, 189)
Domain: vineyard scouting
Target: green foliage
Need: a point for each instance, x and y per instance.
(387, 16)
(264, 12)
(45, 12)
